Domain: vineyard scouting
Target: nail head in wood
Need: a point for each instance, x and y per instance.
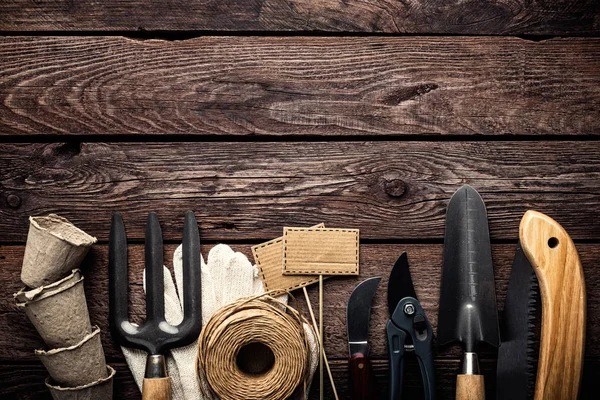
(13, 201)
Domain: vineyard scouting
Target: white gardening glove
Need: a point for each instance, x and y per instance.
(226, 277)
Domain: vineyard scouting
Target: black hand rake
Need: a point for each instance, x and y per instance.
(155, 335)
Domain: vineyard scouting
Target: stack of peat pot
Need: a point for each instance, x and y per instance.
(54, 301)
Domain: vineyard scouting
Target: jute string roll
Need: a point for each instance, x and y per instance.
(263, 320)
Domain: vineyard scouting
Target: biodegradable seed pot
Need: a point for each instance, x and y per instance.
(27, 294)
(76, 365)
(54, 247)
(101, 389)
(58, 311)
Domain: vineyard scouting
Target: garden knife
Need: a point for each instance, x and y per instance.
(357, 320)
(467, 311)
(554, 259)
(516, 367)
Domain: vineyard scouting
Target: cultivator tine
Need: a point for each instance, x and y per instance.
(117, 272)
(155, 300)
(192, 295)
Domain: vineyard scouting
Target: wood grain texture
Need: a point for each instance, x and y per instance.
(26, 381)
(413, 16)
(362, 379)
(299, 86)
(157, 389)
(470, 387)
(556, 263)
(249, 191)
(20, 339)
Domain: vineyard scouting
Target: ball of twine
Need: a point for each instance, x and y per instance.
(263, 320)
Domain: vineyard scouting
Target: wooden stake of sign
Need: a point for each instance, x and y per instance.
(321, 336)
(320, 251)
(268, 261)
(321, 347)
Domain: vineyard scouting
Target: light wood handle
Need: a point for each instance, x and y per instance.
(156, 389)
(470, 387)
(554, 258)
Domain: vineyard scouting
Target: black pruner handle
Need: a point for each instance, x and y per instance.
(425, 358)
(422, 338)
(361, 377)
(395, 343)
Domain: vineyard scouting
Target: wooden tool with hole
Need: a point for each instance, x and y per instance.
(555, 261)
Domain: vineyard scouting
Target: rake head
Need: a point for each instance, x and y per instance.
(155, 335)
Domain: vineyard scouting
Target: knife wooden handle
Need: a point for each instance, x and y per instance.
(470, 387)
(361, 377)
(554, 258)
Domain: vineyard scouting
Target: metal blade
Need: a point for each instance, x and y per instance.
(191, 291)
(117, 272)
(467, 312)
(400, 284)
(515, 378)
(358, 314)
(153, 251)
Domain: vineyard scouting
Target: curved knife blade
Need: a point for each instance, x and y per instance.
(468, 310)
(358, 314)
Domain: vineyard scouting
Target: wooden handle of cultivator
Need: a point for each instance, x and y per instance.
(555, 261)
(156, 389)
(470, 387)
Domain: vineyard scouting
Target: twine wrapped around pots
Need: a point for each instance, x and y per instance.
(54, 247)
(76, 365)
(102, 389)
(58, 311)
(235, 328)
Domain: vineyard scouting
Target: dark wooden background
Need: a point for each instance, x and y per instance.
(258, 114)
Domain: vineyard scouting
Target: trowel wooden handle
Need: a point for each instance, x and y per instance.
(470, 387)
(554, 258)
(156, 389)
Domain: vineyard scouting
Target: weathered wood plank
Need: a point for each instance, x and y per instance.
(25, 382)
(299, 86)
(416, 16)
(425, 261)
(249, 191)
